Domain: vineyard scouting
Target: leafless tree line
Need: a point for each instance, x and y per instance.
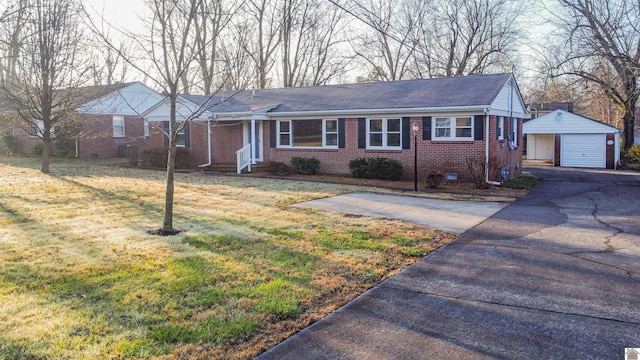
(274, 43)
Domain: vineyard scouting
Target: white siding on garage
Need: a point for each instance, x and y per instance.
(583, 150)
(562, 122)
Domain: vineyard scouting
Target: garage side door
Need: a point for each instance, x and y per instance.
(583, 150)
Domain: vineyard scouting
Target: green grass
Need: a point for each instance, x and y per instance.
(80, 277)
(524, 181)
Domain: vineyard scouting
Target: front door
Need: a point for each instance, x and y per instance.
(247, 138)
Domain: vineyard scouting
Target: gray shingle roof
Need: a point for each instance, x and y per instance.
(477, 90)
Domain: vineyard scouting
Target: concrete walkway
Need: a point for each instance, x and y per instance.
(555, 275)
(448, 215)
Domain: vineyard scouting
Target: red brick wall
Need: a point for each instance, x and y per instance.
(443, 156)
(226, 139)
(197, 140)
(95, 138)
(500, 155)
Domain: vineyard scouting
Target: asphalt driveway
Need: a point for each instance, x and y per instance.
(555, 275)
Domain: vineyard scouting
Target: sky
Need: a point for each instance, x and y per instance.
(121, 13)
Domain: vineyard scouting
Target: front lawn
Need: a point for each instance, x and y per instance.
(80, 277)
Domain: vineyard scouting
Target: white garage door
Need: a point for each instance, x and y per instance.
(583, 150)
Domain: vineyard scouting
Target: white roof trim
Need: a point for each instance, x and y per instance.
(569, 123)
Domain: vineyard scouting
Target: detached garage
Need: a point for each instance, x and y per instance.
(572, 140)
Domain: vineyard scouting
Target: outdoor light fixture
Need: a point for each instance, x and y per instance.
(414, 127)
(559, 117)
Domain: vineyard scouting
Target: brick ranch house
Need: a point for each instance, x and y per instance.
(108, 120)
(451, 119)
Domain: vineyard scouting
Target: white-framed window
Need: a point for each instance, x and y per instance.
(313, 133)
(514, 130)
(181, 138)
(147, 131)
(384, 133)
(453, 128)
(330, 133)
(500, 128)
(36, 128)
(118, 126)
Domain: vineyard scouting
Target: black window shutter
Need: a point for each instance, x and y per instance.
(478, 127)
(187, 135)
(341, 136)
(273, 133)
(426, 128)
(406, 133)
(498, 127)
(166, 133)
(362, 133)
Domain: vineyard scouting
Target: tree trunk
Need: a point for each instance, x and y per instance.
(167, 224)
(46, 154)
(629, 119)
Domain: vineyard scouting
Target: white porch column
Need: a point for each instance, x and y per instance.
(253, 140)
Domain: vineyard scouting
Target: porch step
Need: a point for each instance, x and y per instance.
(231, 168)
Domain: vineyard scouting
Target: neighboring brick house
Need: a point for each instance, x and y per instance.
(108, 120)
(453, 117)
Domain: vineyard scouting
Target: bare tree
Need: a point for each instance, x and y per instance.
(236, 65)
(264, 17)
(602, 39)
(462, 37)
(390, 39)
(311, 35)
(11, 33)
(214, 16)
(166, 53)
(49, 68)
(108, 66)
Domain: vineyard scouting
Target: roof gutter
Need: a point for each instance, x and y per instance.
(394, 111)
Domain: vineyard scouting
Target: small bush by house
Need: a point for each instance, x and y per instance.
(278, 168)
(37, 149)
(434, 178)
(157, 157)
(10, 143)
(308, 166)
(376, 168)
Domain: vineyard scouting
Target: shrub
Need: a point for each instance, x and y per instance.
(358, 168)
(434, 178)
(157, 157)
(476, 168)
(310, 166)
(634, 153)
(376, 168)
(10, 142)
(37, 149)
(278, 168)
(65, 147)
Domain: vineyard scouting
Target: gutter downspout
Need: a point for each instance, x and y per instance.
(486, 160)
(208, 144)
(77, 147)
